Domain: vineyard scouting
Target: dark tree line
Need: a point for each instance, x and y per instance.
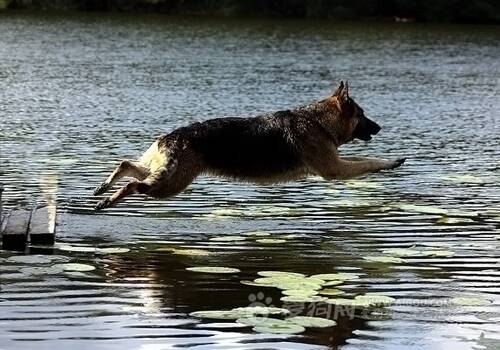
(470, 11)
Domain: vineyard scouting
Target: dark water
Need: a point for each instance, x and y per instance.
(79, 94)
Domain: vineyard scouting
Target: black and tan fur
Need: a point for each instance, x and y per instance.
(270, 148)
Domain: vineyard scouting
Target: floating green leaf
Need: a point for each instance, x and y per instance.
(424, 209)
(302, 299)
(331, 291)
(75, 267)
(281, 274)
(76, 248)
(29, 259)
(402, 252)
(88, 249)
(225, 212)
(227, 239)
(112, 250)
(256, 234)
(375, 299)
(363, 184)
(439, 253)
(261, 310)
(271, 325)
(333, 283)
(216, 314)
(384, 259)
(249, 312)
(285, 282)
(340, 301)
(341, 276)
(270, 241)
(448, 220)
(254, 284)
(189, 252)
(41, 270)
(300, 292)
(315, 322)
(470, 301)
(213, 269)
(464, 178)
(361, 303)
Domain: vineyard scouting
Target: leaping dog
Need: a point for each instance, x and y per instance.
(269, 148)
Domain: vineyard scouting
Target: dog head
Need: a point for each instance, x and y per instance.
(358, 125)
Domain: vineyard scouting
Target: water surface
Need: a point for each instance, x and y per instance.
(81, 93)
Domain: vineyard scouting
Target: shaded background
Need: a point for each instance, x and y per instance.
(470, 11)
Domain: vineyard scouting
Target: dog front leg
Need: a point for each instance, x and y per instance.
(349, 167)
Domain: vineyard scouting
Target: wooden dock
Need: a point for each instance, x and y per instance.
(21, 227)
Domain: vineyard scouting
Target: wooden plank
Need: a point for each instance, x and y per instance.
(1, 213)
(43, 225)
(15, 232)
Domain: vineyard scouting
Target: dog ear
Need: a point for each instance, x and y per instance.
(342, 92)
(339, 89)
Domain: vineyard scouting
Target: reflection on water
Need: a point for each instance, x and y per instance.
(81, 93)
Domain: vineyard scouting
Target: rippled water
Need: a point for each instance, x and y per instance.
(80, 93)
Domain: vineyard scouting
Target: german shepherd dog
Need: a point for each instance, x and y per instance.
(269, 148)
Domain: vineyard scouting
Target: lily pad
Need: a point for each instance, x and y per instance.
(375, 299)
(340, 301)
(363, 184)
(398, 252)
(470, 301)
(271, 325)
(213, 269)
(302, 299)
(300, 292)
(227, 239)
(288, 283)
(270, 241)
(281, 274)
(424, 209)
(41, 270)
(75, 267)
(340, 276)
(315, 322)
(254, 284)
(331, 291)
(450, 221)
(112, 250)
(439, 253)
(250, 312)
(261, 310)
(189, 252)
(384, 259)
(333, 283)
(256, 234)
(29, 259)
(464, 178)
(225, 212)
(349, 302)
(76, 248)
(216, 314)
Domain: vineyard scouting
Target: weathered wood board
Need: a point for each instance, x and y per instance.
(15, 232)
(1, 213)
(43, 225)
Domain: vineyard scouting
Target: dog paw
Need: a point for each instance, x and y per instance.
(105, 203)
(398, 162)
(103, 187)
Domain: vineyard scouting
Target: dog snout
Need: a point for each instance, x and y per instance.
(375, 128)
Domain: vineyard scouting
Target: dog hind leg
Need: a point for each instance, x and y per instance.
(125, 168)
(143, 187)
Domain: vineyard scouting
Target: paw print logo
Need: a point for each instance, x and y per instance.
(259, 299)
